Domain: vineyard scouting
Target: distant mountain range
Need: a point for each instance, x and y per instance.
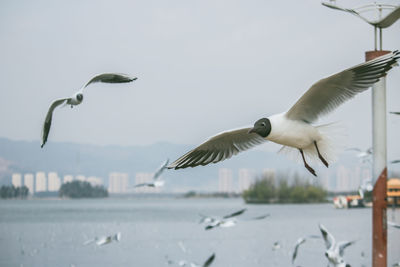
(93, 160)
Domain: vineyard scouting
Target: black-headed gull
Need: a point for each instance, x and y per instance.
(156, 181)
(334, 250)
(77, 98)
(293, 129)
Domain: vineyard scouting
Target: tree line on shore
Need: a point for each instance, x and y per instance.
(10, 191)
(265, 190)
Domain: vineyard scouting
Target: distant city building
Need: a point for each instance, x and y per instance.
(225, 180)
(41, 182)
(342, 179)
(118, 182)
(54, 182)
(245, 179)
(94, 181)
(142, 178)
(68, 178)
(16, 180)
(29, 181)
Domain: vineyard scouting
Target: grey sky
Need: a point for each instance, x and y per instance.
(203, 67)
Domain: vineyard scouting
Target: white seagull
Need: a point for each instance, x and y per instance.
(156, 181)
(293, 129)
(104, 240)
(229, 220)
(77, 98)
(384, 22)
(334, 251)
(363, 155)
(225, 221)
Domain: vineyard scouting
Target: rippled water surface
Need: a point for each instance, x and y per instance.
(52, 233)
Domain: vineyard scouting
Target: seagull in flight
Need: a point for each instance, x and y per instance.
(299, 242)
(363, 155)
(228, 220)
(77, 98)
(335, 251)
(395, 112)
(293, 129)
(382, 23)
(156, 181)
(223, 222)
(104, 240)
(184, 263)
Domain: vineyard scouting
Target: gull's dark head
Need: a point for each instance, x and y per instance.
(79, 97)
(262, 127)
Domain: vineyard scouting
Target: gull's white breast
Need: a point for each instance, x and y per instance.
(294, 133)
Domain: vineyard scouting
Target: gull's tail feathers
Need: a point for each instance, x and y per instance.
(332, 143)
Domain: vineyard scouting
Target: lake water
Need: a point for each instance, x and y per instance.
(52, 232)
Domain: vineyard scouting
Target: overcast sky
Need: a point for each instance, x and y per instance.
(202, 67)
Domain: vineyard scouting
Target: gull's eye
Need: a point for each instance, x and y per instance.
(263, 124)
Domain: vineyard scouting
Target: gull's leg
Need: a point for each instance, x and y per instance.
(305, 163)
(320, 157)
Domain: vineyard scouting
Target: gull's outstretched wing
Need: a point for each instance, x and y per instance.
(209, 260)
(300, 241)
(237, 213)
(328, 93)
(393, 224)
(349, 10)
(111, 78)
(261, 217)
(219, 147)
(160, 169)
(343, 245)
(387, 21)
(328, 238)
(49, 116)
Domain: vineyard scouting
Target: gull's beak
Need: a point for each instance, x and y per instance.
(252, 130)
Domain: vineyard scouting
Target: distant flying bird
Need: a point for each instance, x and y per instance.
(293, 129)
(229, 220)
(223, 222)
(276, 246)
(184, 263)
(104, 240)
(156, 181)
(384, 22)
(335, 251)
(395, 112)
(395, 161)
(393, 224)
(397, 264)
(363, 155)
(77, 98)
